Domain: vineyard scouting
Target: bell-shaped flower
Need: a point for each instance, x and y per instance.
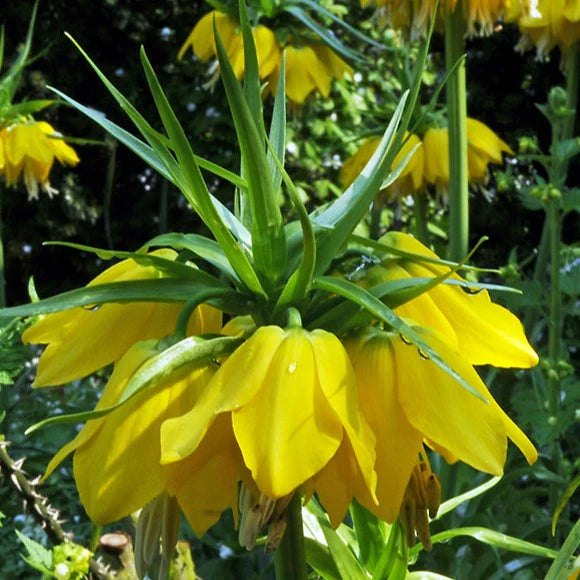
(407, 400)
(29, 149)
(83, 340)
(202, 42)
(484, 332)
(287, 399)
(116, 460)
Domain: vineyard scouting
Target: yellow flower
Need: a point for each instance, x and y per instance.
(430, 162)
(484, 332)
(309, 68)
(480, 15)
(484, 147)
(83, 340)
(29, 149)
(291, 398)
(409, 181)
(116, 459)
(203, 44)
(546, 23)
(407, 399)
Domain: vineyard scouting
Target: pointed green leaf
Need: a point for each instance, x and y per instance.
(193, 350)
(277, 135)
(568, 493)
(561, 565)
(454, 502)
(268, 236)
(371, 533)
(251, 73)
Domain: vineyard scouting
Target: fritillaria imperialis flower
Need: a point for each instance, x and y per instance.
(310, 66)
(29, 149)
(546, 24)
(410, 180)
(202, 42)
(430, 162)
(287, 400)
(408, 401)
(415, 15)
(82, 340)
(484, 332)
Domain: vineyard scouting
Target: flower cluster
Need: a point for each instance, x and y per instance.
(415, 15)
(429, 164)
(546, 24)
(310, 65)
(341, 415)
(29, 148)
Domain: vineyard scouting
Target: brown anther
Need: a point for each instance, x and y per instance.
(433, 494)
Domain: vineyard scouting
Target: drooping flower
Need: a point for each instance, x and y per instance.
(546, 24)
(202, 41)
(29, 148)
(409, 181)
(430, 162)
(116, 459)
(484, 332)
(415, 15)
(310, 66)
(408, 400)
(82, 340)
(287, 399)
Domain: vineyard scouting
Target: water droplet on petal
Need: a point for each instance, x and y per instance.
(292, 367)
(471, 291)
(92, 308)
(423, 354)
(405, 339)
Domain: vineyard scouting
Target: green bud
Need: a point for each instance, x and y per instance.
(527, 144)
(553, 374)
(552, 420)
(558, 102)
(554, 193)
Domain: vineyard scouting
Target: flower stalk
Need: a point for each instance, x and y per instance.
(2, 279)
(290, 558)
(457, 123)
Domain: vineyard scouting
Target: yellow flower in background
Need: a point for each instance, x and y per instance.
(484, 332)
(291, 398)
(408, 400)
(82, 340)
(29, 149)
(546, 24)
(310, 67)
(202, 42)
(415, 15)
(116, 460)
(409, 181)
(430, 162)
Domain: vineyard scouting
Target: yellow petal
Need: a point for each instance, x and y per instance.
(339, 386)
(437, 406)
(484, 140)
(301, 68)
(436, 148)
(206, 483)
(356, 163)
(268, 50)
(237, 382)
(124, 455)
(487, 333)
(288, 431)
(27, 140)
(398, 442)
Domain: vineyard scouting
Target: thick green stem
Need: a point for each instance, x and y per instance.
(457, 123)
(290, 558)
(2, 279)
(421, 219)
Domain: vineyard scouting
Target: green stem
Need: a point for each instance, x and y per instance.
(457, 125)
(2, 280)
(555, 303)
(559, 568)
(421, 219)
(290, 557)
(388, 557)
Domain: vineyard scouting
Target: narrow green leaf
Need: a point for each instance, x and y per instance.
(560, 566)
(195, 188)
(277, 135)
(384, 313)
(201, 246)
(251, 73)
(320, 560)
(160, 290)
(454, 502)
(193, 350)
(30, 107)
(568, 493)
(324, 33)
(371, 534)
(268, 235)
(491, 538)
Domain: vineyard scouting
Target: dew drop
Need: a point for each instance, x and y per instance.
(292, 367)
(91, 308)
(471, 291)
(405, 339)
(423, 354)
